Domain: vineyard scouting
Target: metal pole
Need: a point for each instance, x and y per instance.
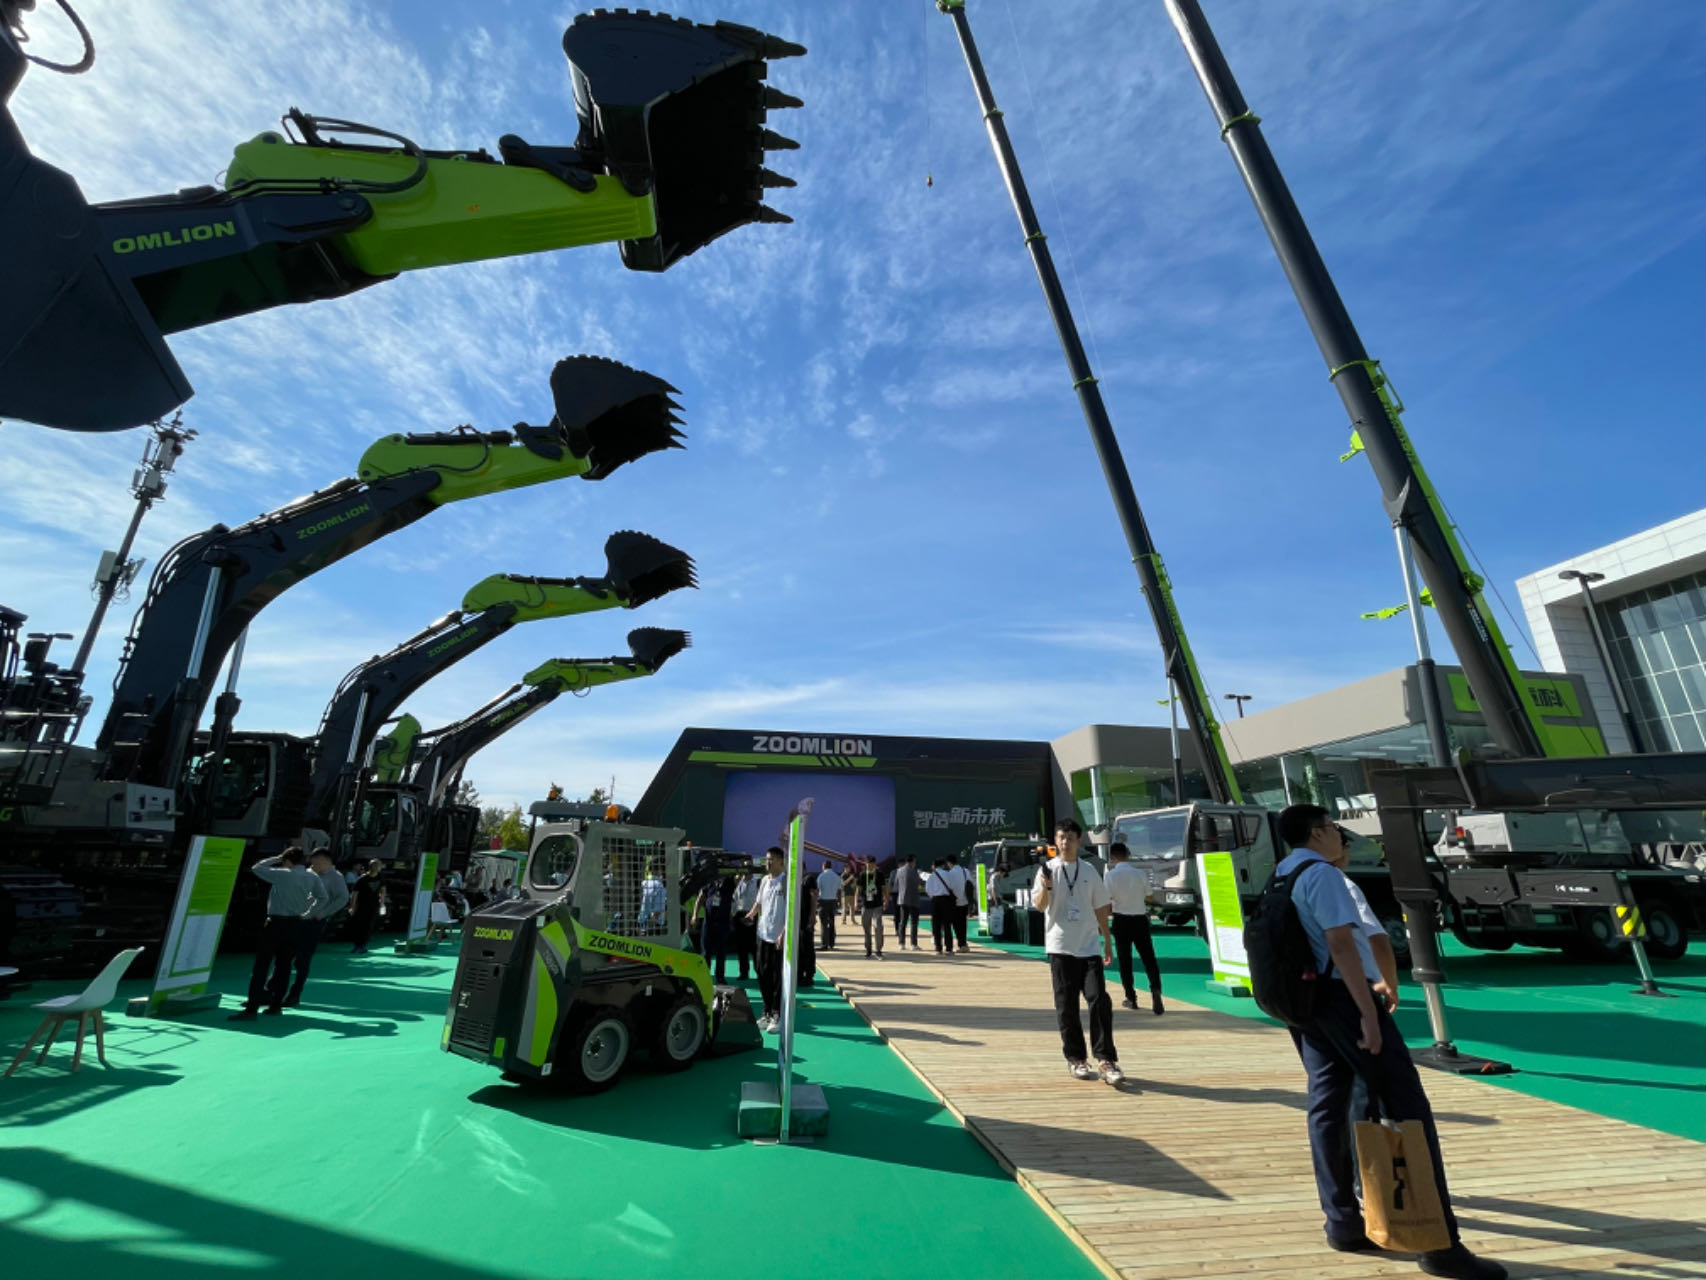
(1178, 760)
(1604, 650)
(1353, 374)
(1433, 715)
(1151, 575)
(209, 598)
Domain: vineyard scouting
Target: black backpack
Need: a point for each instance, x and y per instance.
(1283, 975)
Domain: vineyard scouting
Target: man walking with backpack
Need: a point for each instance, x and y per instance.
(1342, 1026)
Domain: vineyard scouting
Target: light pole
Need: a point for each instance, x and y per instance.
(1240, 699)
(1600, 647)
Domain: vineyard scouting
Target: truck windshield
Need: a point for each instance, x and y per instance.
(1154, 837)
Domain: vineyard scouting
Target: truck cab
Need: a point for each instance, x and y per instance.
(1165, 842)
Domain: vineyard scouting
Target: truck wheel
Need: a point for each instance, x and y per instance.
(1666, 939)
(680, 1033)
(1597, 940)
(1397, 933)
(597, 1050)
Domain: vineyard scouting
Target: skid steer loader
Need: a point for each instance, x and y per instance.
(590, 964)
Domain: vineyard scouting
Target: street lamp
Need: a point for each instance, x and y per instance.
(1584, 579)
(1240, 699)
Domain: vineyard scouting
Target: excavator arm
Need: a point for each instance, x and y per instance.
(449, 749)
(669, 155)
(206, 590)
(639, 569)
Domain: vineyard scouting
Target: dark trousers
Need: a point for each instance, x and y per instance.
(361, 925)
(871, 916)
(1082, 975)
(714, 941)
(744, 934)
(1347, 1084)
(826, 913)
(942, 922)
(770, 977)
(1133, 931)
(280, 938)
(962, 911)
(903, 916)
(805, 957)
(312, 932)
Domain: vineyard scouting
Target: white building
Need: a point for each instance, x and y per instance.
(1650, 597)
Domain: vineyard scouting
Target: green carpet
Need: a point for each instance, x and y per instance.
(1574, 1032)
(339, 1141)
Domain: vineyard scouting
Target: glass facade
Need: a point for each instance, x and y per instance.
(1658, 644)
(1103, 792)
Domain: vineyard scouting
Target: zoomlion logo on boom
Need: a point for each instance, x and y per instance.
(172, 239)
(454, 640)
(776, 744)
(332, 522)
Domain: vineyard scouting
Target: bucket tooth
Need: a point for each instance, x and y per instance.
(776, 100)
(776, 142)
(675, 110)
(767, 214)
(611, 414)
(766, 178)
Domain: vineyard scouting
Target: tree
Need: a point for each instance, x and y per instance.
(491, 818)
(511, 833)
(466, 793)
(598, 796)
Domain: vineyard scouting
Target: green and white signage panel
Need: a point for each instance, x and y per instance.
(1224, 914)
(198, 918)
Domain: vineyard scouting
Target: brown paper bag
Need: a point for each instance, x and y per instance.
(1400, 1198)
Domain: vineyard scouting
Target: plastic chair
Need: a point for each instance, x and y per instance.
(85, 1007)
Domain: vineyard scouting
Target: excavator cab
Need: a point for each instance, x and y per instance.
(669, 155)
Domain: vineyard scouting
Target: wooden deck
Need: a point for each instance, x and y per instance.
(1199, 1166)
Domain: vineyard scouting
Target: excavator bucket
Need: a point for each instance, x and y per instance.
(641, 568)
(678, 109)
(733, 1027)
(612, 414)
(654, 646)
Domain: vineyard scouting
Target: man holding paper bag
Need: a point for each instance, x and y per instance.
(1358, 1063)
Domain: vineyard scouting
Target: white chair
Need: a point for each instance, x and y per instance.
(85, 1007)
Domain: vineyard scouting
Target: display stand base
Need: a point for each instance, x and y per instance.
(413, 947)
(172, 1006)
(1227, 986)
(1445, 1057)
(760, 1113)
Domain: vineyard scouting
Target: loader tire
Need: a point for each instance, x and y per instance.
(595, 1052)
(679, 1036)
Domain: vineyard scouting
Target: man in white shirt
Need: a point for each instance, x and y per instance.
(940, 891)
(743, 933)
(1128, 887)
(1076, 907)
(770, 913)
(828, 902)
(1352, 1049)
(332, 901)
(959, 881)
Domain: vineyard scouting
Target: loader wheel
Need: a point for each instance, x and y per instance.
(680, 1033)
(597, 1050)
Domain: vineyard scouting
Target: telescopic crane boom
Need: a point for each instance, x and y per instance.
(1516, 723)
(207, 589)
(669, 155)
(1181, 667)
(640, 569)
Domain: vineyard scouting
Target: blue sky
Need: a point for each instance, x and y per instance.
(898, 519)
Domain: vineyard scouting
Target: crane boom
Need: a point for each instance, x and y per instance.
(1181, 667)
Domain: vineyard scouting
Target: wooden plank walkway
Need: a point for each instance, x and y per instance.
(1199, 1166)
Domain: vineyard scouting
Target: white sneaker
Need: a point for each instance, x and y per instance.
(1111, 1073)
(1083, 1070)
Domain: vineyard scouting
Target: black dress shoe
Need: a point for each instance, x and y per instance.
(274, 1010)
(1155, 1005)
(242, 1015)
(1130, 1002)
(1459, 1264)
(1353, 1244)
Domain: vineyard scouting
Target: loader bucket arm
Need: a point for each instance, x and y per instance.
(606, 414)
(370, 694)
(672, 140)
(450, 748)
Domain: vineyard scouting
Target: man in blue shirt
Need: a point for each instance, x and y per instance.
(1353, 1039)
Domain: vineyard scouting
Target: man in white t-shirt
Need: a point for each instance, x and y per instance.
(959, 882)
(1076, 907)
(1129, 888)
(770, 913)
